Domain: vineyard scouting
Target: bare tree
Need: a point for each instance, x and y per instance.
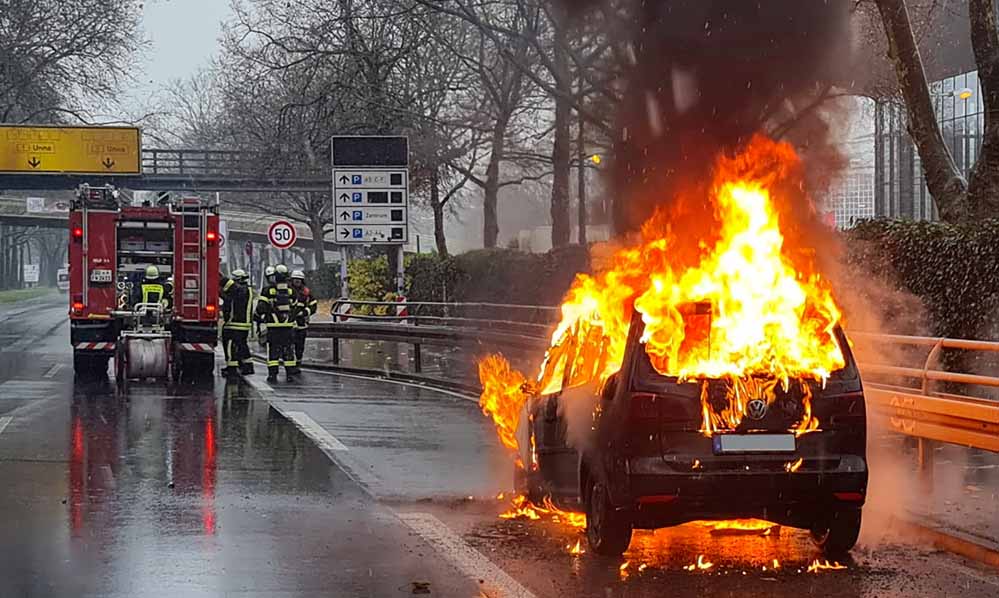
(55, 55)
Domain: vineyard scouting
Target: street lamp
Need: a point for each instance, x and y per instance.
(964, 93)
(596, 159)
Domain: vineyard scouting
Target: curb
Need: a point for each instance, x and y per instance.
(951, 541)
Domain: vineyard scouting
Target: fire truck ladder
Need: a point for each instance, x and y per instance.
(195, 224)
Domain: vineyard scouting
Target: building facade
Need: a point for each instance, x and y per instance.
(899, 186)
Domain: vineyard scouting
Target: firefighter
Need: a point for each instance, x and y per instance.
(277, 308)
(308, 305)
(237, 315)
(152, 289)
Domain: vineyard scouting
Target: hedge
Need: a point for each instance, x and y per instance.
(952, 269)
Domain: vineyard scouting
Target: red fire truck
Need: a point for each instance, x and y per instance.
(111, 244)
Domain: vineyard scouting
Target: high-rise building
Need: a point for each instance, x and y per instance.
(900, 188)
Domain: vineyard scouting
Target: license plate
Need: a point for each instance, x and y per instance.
(100, 275)
(753, 443)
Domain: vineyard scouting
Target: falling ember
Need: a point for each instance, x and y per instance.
(818, 566)
(643, 567)
(702, 564)
(696, 464)
(740, 303)
(776, 564)
(793, 466)
(623, 569)
(575, 550)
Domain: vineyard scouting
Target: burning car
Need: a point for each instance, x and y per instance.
(701, 373)
(651, 464)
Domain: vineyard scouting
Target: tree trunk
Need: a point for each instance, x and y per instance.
(318, 244)
(944, 180)
(561, 152)
(983, 186)
(581, 181)
(490, 221)
(438, 208)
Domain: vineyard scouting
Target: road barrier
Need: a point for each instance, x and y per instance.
(919, 411)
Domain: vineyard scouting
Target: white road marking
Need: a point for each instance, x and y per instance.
(313, 430)
(52, 370)
(4, 421)
(496, 582)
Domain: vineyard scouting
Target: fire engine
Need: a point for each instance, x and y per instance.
(111, 244)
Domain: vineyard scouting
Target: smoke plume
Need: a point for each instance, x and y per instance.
(704, 76)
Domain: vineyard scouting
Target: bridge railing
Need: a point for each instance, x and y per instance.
(901, 397)
(201, 163)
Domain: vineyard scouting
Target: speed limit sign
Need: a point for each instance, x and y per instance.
(282, 234)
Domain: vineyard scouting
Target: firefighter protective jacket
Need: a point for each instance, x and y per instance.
(237, 309)
(278, 306)
(308, 306)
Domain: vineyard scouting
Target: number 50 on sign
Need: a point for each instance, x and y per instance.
(282, 234)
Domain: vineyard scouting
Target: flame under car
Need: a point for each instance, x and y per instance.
(654, 456)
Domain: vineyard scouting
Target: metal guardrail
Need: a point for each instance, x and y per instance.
(917, 411)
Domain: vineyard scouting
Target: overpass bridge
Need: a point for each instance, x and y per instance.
(242, 225)
(191, 170)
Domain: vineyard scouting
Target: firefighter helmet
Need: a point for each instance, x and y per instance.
(269, 271)
(281, 269)
(240, 274)
(152, 272)
(298, 274)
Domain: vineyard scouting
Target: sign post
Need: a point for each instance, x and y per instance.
(371, 194)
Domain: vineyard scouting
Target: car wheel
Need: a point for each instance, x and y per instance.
(837, 534)
(608, 531)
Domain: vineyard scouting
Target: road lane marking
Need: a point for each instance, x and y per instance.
(4, 422)
(52, 371)
(496, 583)
(313, 430)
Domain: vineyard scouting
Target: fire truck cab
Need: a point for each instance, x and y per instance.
(111, 244)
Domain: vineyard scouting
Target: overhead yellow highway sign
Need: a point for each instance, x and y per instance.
(48, 149)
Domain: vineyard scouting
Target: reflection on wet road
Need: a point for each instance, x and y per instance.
(211, 490)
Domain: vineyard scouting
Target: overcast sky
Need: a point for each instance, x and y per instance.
(184, 36)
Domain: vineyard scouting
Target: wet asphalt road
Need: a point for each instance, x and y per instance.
(335, 486)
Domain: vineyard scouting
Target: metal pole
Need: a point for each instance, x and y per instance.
(400, 275)
(344, 257)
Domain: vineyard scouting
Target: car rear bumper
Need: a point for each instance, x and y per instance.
(778, 489)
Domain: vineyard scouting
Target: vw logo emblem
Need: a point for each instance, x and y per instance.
(756, 409)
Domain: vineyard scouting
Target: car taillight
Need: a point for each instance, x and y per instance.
(78, 233)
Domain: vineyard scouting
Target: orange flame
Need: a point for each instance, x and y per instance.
(738, 303)
(702, 564)
(818, 566)
(522, 508)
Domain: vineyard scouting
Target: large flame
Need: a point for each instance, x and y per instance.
(731, 300)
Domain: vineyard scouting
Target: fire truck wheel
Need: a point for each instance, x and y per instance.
(197, 366)
(608, 531)
(837, 533)
(90, 367)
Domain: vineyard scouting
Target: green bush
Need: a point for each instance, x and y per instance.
(952, 269)
(324, 282)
